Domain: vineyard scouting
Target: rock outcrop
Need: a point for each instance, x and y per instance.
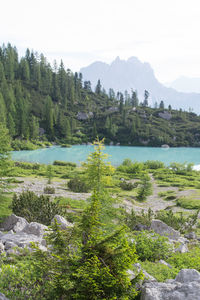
(185, 286)
(17, 232)
(163, 229)
(62, 222)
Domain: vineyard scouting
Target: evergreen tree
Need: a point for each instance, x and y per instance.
(162, 105)
(98, 87)
(146, 96)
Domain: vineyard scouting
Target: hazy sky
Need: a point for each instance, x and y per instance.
(164, 33)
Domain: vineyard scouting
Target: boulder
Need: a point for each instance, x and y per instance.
(190, 235)
(188, 275)
(163, 229)
(14, 223)
(36, 229)
(182, 249)
(3, 297)
(20, 239)
(185, 286)
(163, 262)
(62, 222)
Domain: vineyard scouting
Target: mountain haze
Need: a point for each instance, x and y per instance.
(185, 84)
(130, 74)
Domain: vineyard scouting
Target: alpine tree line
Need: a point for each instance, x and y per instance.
(40, 100)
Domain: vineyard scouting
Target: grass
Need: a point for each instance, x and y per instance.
(5, 202)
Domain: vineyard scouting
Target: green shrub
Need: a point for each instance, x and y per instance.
(132, 219)
(49, 190)
(159, 271)
(64, 163)
(189, 260)
(188, 203)
(178, 221)
(151, 246)
(35, 208)
(78, 185)
(145, 189)
(127, 186)
(154, 164)
(131, 167)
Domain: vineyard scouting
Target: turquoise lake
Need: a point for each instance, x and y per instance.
(79, 153)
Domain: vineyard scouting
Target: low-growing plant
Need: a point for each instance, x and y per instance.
(78, 185)
(159, 271)
(151, 246)
(49, 190)
(178, 221)
(145, 189)
(132, 220)
(35, 208)
(127, 186)
(64, 163)
(154, 164)
(189, 260)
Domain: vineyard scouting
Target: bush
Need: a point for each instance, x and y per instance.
(132, 219)
(64, 163)
(49, 190)
(127, 186)
(35, 208)
(154, 164)
(188, 203)
(189, 260)
(77, 185)
(159, 271)
(178, 221)
(145, 189)
(131, 168)
(151, 246)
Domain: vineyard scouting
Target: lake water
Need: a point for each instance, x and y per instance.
(79, 153)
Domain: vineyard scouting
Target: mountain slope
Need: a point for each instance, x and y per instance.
(130, 74)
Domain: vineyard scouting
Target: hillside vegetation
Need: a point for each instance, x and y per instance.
(41, 103)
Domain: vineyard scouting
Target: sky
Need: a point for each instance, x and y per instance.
(164, 33)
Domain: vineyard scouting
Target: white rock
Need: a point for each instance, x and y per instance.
(163, 262)
(182, 249)
(35, 228)
(14, 223)
(62, 222)
(21, 239)
(1, 247)
(163, 229)
(188, 275)
(186, 286)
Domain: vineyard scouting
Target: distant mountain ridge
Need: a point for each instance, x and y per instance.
(130, 74)
(185, 84)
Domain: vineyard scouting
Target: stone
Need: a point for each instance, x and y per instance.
(3, 297)
(36, 229)
(190, 235)
(163, 262)
(188, 275)
(163, 229)
(62, 222)
(185, 286)
(165, 115)
(1, 247)
(21, 239)
(14, 223)
(9, 245)
(182, 249)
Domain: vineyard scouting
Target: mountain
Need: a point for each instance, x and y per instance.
(130, 74)
(185, 84)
